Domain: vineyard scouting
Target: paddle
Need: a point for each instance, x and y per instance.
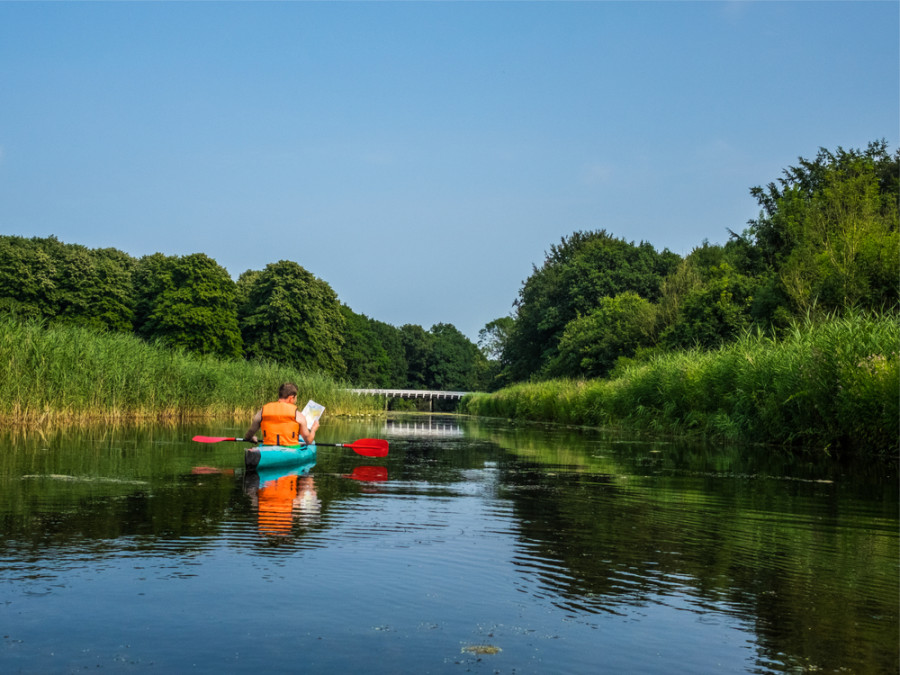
(367, 447)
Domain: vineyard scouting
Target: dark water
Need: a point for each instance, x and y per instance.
(471, 547)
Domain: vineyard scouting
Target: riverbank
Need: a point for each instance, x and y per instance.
(832, 386)
(67, 374)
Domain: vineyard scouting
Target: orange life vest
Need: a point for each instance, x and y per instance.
(279, 424)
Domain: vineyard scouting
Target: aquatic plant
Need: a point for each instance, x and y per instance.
(831, 385)
(65, 373)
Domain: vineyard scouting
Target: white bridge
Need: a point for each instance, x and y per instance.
(430, 396)
(412, 393)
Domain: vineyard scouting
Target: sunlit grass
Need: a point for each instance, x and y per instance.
(71, 374)
(828, 385)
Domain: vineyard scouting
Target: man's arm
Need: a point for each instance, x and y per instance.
(254, 427)
(308, 435)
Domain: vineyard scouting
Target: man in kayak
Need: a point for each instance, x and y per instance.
(281, 422)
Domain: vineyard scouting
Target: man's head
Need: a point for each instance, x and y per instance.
(287, 390)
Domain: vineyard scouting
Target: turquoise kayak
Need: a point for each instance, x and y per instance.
(266, 456)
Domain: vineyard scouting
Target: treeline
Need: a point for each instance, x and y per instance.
(281, 314)
(825, 242)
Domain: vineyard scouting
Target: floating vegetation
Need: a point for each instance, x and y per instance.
(481, 649)
(83, 479)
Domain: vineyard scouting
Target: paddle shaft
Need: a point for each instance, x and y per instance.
(368, 447)
(219, 439)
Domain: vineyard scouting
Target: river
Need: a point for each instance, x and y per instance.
(474, 546)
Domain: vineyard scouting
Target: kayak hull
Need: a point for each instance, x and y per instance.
(267, 456)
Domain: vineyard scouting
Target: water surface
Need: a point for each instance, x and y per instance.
(473, 546)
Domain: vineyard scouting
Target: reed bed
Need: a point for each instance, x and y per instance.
(832, 385)
(59, 374)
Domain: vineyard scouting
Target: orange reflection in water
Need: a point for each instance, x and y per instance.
(284, 497)
(279, 501)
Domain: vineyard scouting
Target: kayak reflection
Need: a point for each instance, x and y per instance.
(285, 496)
(282, 496)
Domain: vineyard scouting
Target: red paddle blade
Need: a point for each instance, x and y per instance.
(369, 447)
(369, 474)
(213, 439)
(207, 470)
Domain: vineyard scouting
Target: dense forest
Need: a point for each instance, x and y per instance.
(825, 242)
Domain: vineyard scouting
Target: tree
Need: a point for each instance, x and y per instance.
(454, 363)
(578, 272)
(708, 299)
(92, 287)
(492, 341)
(45, 278)
(290, 316)
(829, 229)
(846, 249)
(417, 345)
(592, 343)
(27, 278)
(713, 312)
(492, 338)
(113, 301)
(242, 289)
(389, 338)
(187, 302)
(366, 360)
(675, 288)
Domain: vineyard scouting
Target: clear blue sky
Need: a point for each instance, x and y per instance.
(422, 157)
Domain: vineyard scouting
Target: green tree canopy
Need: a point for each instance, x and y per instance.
(829, 230)
(492, 341)
(45, 278)
(417, 345)
(713, 312)
(455, 363)
(112, 303)
(187, 302)
(27, 278)
(592, 343)
(493, 337)
(576, 274)
(389, 338)
(290, 316)
(367, 362)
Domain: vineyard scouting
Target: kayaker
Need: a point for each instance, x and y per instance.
(281, 422)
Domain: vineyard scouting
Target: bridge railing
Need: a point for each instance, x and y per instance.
(412, 393)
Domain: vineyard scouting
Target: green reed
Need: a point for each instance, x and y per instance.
(833, 384)
(68, 373)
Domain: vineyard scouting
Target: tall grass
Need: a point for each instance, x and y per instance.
(71, 374)
(829, 385)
